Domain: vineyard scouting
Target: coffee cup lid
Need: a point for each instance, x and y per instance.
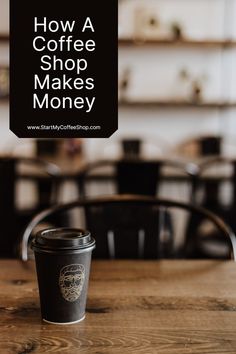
(62, 239)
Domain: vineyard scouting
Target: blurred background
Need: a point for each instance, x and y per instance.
(177, 101)
(177, 75)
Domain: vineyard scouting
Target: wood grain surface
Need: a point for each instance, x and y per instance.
(167, 307)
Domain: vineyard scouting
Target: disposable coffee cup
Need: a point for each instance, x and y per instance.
(63, 258)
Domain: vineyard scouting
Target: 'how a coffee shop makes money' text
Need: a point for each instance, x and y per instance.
(63, 65)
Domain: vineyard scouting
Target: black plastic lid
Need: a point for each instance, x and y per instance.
(62, 239)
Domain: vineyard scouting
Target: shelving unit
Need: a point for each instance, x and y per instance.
(129, 42)
(220, 45)
(177, 104)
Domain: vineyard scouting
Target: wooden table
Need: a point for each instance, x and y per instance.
(148, 307)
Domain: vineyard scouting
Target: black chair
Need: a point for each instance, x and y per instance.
(210, 146)
(131, 148)
(131, 176)
(137, 177)
(46, 147)
(14, 220)
(131, 226)
(206, 193)
(201, 146)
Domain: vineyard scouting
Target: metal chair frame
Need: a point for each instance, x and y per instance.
(128, 200)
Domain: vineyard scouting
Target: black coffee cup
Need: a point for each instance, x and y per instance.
(63, 258)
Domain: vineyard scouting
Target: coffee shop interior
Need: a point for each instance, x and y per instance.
(158, 197)
(162, 186)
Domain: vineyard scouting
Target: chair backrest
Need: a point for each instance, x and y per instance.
(46, 146)
(135, 176)
(38, 169)
(131, 148)
(210, 191)
(213, 178)
(201, 146)
(210, 145)
(134, 225)
(7, 187)
(10, 220)
(7, 204)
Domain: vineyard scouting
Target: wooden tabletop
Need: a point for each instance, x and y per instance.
(146, 307)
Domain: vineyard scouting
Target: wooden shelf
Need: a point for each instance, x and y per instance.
(162, 42)
(4, 37)
(129, 42)
(177, 104)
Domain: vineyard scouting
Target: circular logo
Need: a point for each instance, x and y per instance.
(71, 281)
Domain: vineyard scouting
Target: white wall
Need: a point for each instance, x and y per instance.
(155, 71)
(155, 74)
(199, 18)
(4, 16)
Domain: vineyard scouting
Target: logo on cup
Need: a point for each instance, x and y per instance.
(71, 281)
